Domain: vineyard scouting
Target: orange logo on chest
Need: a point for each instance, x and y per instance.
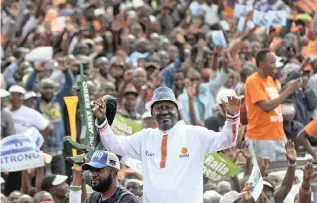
(184, 153)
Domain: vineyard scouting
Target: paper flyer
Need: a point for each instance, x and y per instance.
(277, 18)
(261, 18)
(218, 38)
(255, 179)
(242, 10)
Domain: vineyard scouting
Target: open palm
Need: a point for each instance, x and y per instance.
(233, 105)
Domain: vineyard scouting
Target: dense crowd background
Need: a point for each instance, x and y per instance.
(130, 48)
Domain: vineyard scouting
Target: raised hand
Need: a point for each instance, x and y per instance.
(265, 163)
(308, 172)
(233, 105)
(100, 108)
(231, 153)
(290, 151)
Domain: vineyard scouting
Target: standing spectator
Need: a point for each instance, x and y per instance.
(128, 108)
(52, 107)
(21, 114)
(265, 121)
(30, 99)
(7, 125)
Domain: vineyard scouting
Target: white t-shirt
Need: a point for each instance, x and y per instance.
(24, 118)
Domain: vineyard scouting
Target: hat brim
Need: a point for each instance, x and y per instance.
(149, 104)
(91, 164)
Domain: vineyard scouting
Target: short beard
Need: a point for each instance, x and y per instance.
(103, 185)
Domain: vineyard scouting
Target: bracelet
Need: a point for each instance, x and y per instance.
(75, 188)
(292, 165)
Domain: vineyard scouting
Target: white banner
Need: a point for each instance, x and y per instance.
(21, 151)
(255, 179)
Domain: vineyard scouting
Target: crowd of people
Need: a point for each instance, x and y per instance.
(160, 61)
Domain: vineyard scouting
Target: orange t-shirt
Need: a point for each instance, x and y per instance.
(311, 127)
(262, 125)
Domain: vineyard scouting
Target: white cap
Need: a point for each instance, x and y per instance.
(224, 94)
(147, 114)
(17, 88)
(29, 95)
(4, 93)
(2, 180)
(230, 197)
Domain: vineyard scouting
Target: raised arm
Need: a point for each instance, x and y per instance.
(127, 146)
(287, 183)
(214, 141)
(305, 190)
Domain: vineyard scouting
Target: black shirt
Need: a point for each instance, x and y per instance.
(122, 195)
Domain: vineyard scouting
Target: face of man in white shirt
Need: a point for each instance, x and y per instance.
(17, 100)
(165, 114)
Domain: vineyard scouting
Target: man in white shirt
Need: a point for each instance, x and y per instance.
(173, 155)
(23, 116)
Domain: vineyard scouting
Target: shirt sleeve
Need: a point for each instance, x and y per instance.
(39, 121)
(255, 91)
(212, 141)
(311, 128)
(214, 85)
(127, 146)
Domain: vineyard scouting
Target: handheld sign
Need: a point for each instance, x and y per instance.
(217, 167)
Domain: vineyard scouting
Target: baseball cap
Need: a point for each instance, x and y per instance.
(17, 88)
(52, 181)
(4, 93)
(162, 94)
(102, 159)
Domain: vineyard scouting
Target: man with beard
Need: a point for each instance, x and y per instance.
(173, 155)
(104, 167)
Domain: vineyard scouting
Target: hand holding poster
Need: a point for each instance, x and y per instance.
(218, 167)
(21, 151)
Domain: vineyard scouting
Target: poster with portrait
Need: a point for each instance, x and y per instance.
(261, 18)
(242, 10)
(277, 18)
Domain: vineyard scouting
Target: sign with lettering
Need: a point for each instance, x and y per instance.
(21, 151)
(124, 126)
(217, 167)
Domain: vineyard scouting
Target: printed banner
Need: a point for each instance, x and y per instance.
(217, 167)
(21, 151)
(124, 126)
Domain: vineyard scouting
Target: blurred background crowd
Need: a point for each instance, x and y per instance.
(131, 47)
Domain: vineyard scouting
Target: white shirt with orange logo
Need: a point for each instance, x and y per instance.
(172, 161)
